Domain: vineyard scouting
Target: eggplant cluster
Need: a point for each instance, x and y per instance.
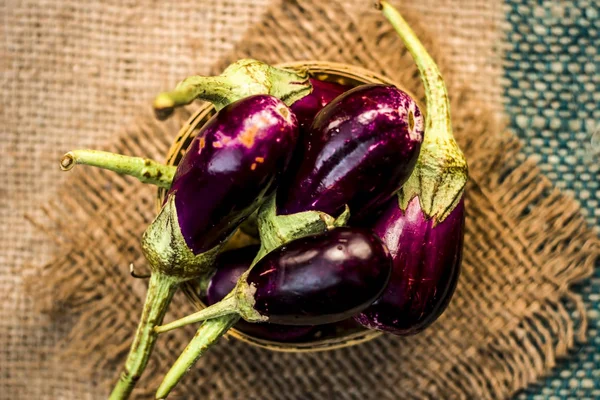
(356, 197)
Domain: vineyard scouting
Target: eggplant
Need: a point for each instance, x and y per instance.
(359, 151)
(314, 280)
(441, 172)
(322, 94)
(426, 265)
(229, 266)
(230, 167)
(319, 279)
(424, 226)
(226, 173)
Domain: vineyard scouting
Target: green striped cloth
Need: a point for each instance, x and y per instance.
(553, 99)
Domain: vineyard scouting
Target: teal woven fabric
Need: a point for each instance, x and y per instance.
(552, 72)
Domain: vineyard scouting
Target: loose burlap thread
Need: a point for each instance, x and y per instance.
(525, 243)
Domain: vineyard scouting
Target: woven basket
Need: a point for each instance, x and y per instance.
(331, 338)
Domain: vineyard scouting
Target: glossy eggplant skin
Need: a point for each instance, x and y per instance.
(320, 279)
(230, 167)
(426, 267)
(230, 266)
(322, 94)
(359, 151)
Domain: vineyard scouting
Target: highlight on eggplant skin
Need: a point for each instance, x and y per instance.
(321, 279)
(359, 151)
(235, 160)
(230, 265)
(426, 266)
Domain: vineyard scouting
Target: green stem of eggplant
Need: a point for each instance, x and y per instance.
(438, 105)
(227, 306)
(245, 77)
(441, 172)
(215, 89)
(205, 337)
(160, 292)
(144, 169)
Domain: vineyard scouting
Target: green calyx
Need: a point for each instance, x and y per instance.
(441, 172)
(239, 301)
(167, 252)
(246, 77)
(439, 179)
(277, 230)
(244, 294)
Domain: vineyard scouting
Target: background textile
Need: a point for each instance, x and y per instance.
(74, 73)
(552, 92)
(82, 75)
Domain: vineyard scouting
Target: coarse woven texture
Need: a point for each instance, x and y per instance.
(73, 75)
(525, 243)
(552, 91)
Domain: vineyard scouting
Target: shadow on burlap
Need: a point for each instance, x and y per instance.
(525, 243)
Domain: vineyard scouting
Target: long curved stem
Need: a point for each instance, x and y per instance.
(226, 306)
(205, 337)
(160, 292)
(438, 104)
(216, 89)
(144, 169)
(441, 173)
(245, 77)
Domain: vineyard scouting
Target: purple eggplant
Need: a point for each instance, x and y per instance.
(314, 280)
(322, 94)
(230, 167)
(230, 265)
(320, 279)
(359, 151)
(441, 172)
(424, 227)
(224, 176)
(226, 173)
(426, 266)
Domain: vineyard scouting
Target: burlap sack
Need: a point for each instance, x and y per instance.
(525, 243)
